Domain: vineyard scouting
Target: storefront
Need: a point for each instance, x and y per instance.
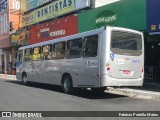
(18, 39)
(153, 41)
(4, 36)
(124, 13)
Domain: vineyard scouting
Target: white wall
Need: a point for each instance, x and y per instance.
(99, 3)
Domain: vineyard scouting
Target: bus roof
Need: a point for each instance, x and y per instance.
(95, 31)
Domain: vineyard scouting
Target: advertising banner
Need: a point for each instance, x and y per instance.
(53, 9)
(30, 4)
(54, 29)
(153, 18)
(23, 6)
(20, 37)
(4, 22)
(28, 19)
(120, 14)
(14, 12)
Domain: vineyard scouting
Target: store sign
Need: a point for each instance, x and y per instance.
(55, 9)
(52, 10)
(54, 29)
(14, 12)
(105, 18)
(19, 38)
(153, 18)
(28, 19)
(4, 21)
(30, 4)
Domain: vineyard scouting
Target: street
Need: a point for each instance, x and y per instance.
(41, 97)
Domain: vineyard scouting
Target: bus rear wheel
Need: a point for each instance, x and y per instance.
(25, 79)
(67, 84)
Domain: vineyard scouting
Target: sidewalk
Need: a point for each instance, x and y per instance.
(6, 76)
(147, 91)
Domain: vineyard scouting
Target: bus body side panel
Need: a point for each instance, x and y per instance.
(104, 56)
(83, 71)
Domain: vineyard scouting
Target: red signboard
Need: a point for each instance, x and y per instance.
(54, 29)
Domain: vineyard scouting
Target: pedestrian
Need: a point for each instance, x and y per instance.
(9, 68)
(3, 67)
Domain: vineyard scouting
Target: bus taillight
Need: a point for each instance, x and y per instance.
(108, 69)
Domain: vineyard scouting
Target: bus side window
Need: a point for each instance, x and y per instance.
(27, 54)
(46, 52)
(74, 48)
(59, 50)
(90, 46)
(36, 56)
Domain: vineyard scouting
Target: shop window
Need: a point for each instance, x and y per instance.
(74, 48)
(90, 46)
(59, 50)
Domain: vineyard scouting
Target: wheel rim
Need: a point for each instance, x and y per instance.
(67, 85)
(25, 79)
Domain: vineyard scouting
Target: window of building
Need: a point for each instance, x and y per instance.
(90, 46)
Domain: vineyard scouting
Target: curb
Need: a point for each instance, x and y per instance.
(142, 94)
(6, 76)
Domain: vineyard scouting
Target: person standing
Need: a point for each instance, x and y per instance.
(9, 68)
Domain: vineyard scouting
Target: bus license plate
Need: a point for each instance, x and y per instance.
(127, 72)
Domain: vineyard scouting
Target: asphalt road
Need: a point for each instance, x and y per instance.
(40, 97)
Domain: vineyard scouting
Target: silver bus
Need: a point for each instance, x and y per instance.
(108, 56)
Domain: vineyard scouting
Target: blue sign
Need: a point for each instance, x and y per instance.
(153, 16)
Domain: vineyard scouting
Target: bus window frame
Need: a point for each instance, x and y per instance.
(98, 37)
(39, 53)
(50, 51)
(68, 56)
(53, 50)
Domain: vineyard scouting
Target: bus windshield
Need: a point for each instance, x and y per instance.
(126, 43)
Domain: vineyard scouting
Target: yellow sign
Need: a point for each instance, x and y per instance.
(28, 19)
(54, 9)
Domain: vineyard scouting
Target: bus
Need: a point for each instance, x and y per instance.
(96, 59)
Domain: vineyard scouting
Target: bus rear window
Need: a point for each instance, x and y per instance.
(126, 43)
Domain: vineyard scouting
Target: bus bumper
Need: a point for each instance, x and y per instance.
(107, 81)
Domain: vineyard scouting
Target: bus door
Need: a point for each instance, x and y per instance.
(19, 64)
(36, 65)
(126, 57)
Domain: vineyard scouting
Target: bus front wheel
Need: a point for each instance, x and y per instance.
(67, 84)
(24, 79)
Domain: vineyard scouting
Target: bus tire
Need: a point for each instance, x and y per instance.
(25, 79)
(67, 84)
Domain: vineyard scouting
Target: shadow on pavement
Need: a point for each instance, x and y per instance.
(88, 94)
